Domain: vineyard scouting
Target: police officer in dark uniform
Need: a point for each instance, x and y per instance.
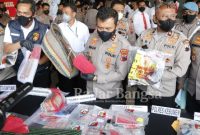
(26, 31)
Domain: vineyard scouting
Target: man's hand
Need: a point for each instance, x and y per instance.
(179, 85)
(27, 44)
(88, 77)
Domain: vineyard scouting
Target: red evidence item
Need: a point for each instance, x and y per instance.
(83, 64)
(15, 125)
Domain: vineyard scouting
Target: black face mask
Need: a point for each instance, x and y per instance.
(24, 21)
(166, 25)
(104, 35)
(59, 12)
(141, 9)
(189, 18)
(46, 12)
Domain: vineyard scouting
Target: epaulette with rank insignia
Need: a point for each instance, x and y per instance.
(147, 35)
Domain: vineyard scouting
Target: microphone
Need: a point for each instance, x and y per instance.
(12, 99)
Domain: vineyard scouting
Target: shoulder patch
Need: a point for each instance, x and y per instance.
(93, 41)
(124, 54)
(147, 35)
(172, 40)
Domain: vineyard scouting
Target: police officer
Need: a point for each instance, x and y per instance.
(193, 88)
(80, 15)
(59, 17)
(25, 31)
(109, 52)
(190, 23)
(123, 26)
(170, 41)
(90, 18)
(190, 26)
(44, 16)
(193, 26)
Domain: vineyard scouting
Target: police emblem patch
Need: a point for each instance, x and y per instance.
(36, 36)
(124, 54)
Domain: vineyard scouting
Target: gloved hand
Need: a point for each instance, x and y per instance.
(27, 44)
(88, 77)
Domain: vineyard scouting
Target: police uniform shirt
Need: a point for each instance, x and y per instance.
(90, 18)
(26, 31)
(79, 29)
(123, 27)
(139, 22)
(177, 46)
(111, 61)
(46, 19)
(188, 29)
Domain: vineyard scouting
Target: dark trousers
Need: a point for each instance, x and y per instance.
(73, 85)
(192, 105)
(142, 99)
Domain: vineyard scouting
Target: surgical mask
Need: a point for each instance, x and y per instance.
(141, 9)
(66, 18)
(46, 12)
(104, 35)
(24, 21)
(189, 18)
(166, 25)
(120, 15)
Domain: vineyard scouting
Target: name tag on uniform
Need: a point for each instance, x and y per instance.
(166, 111)
(14, 34)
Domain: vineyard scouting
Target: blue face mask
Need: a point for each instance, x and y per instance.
(66, 18)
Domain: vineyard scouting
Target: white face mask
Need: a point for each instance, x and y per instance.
(66, 18)
(120, 15)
